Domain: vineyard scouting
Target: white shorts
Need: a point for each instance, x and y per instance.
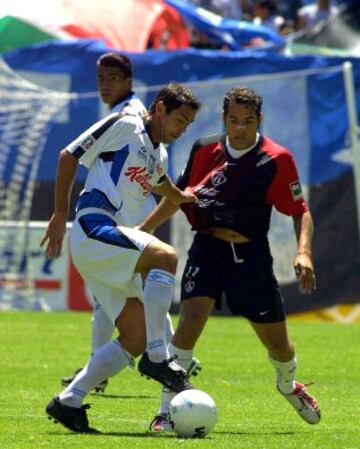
(105, 255)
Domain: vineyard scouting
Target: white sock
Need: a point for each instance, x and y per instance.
(184, 358)
(285, 374)
(169, 330)
(102, 327)
(106, 362)
(157, 300)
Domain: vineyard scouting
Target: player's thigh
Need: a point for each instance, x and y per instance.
(157, 254)
(202, 274)
(105, 253)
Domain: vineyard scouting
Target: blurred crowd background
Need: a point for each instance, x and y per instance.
(138, 25)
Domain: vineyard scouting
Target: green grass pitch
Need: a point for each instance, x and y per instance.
(37, 349)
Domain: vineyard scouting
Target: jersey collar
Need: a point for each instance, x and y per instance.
(127, 97)
(148, 131)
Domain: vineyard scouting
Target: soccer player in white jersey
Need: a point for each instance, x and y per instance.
(126, 160)
(114, 80)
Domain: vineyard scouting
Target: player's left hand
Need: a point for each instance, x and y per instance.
(305, 274)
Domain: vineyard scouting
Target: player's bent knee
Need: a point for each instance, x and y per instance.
(158, 255)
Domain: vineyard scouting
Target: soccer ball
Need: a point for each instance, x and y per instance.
(192, 413)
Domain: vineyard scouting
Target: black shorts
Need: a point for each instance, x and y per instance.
(240, 272)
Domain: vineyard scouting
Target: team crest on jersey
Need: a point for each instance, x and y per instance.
(189, 286)
(142, 153)
(151, 165)
(218, 178)
(296, 191)
(88, 142)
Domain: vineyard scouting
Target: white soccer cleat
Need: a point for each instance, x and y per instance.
(305, 404)
(161, 423)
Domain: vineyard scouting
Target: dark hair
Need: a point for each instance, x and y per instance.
(118, 60)
(174, 96)
(270, 4)
(243, 95)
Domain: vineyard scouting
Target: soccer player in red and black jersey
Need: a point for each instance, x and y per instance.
(238, 177)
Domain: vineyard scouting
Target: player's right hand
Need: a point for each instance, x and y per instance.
(188, 197)
(54, 235)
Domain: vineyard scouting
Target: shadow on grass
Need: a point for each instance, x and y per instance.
(122, 396)
(168, 436)
(223, 432)
(165, 435)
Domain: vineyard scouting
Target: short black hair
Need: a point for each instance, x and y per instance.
(118, 60)
(243, 95)
(270, 4)
(175, 95)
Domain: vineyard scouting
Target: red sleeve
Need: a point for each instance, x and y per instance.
(285, 191)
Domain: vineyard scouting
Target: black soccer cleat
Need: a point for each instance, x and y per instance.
(167, 372)
(65, 381)
(100, 388)
(72, 418)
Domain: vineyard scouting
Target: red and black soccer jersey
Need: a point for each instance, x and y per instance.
(238, 194)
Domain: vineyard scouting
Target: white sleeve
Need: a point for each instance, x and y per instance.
(103, 136)
(163, 166)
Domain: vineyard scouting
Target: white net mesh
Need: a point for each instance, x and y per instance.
(25, 114)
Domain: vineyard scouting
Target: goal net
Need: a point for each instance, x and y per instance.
(26, 111)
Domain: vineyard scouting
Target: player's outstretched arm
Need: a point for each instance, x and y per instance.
(175, 195)
(303, 264)
(65, 177)
(164, 210)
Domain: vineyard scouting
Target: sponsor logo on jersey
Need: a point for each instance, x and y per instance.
(142, 153)
(218, 178)
(159, 169)
(88, 142)
(296, 191)
(206, 191)
(204, 202)
(140, 176)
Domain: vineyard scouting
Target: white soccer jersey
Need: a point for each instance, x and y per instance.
(131, 105)
(134, 106)
(123, 167)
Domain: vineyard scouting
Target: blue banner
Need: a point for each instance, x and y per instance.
(304, 97)
(232, 33)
